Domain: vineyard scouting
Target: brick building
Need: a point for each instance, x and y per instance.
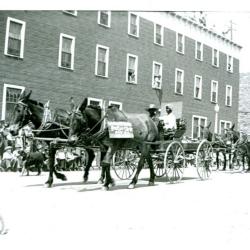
(130, 59)
(244, 103)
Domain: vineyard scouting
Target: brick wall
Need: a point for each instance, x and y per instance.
(39, 69)
(244, 103)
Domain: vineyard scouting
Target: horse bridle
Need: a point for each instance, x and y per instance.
(26, 111)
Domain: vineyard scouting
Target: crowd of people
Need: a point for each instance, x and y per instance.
(22, 153)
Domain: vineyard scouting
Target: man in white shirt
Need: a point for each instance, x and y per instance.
(169, 120)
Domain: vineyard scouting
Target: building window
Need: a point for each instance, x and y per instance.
(228, 95)
(180, 43)
(224, 125)
(158, 34)
(66, 51)
(11, 94)
(230, 64)
(157, 75)
(102, 61)
(116, 104)
(197, 122)
(197, 87)
(132, 65)
(215, 56)
(104, 18)
(214, 91)
(199, 51)
(14, 38)
(95, 102)
(133, 25)
(179, 81)
(71, 12)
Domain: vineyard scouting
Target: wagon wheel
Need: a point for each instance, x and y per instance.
(240, 158)
(204, 159)
(158, 163)
(174, 162)
(124, 163)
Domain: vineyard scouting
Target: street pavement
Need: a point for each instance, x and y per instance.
(192, 214)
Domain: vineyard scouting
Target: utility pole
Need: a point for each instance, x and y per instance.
(230, 29)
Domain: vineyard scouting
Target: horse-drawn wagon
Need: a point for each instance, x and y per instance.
(89, 126)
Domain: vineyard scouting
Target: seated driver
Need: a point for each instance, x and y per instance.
(169, 120)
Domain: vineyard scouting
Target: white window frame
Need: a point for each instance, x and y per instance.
(162, 34)
(196, 51)
(136, 68)
(10, 19)
(230, 60)
(109, 18)
(107, 60)
(199, 122)
(5, 86)
(95, 100)
(182, 82)
(116, 103)
(218, 57)
(70, 13)
(225, 122)
(154, 85)
(200, 87)
(211, 94)
(137, 24)
(227, 94)
(62, 35)
(182, 41)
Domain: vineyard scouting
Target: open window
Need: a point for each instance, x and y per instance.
(157, 75)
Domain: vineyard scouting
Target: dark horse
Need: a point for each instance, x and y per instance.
(27, 110)
(225, 144)
(87, 123)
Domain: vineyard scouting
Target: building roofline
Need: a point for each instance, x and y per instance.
(204, 28)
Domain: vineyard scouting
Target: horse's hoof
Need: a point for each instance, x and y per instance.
(48, 185)
(100, 181)
(112, 184)
(105, 188)
(64, 178)
(151, 183)
(131, 186)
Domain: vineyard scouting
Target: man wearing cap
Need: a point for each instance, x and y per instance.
(169, 120)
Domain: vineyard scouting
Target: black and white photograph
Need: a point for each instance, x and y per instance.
(124, 126)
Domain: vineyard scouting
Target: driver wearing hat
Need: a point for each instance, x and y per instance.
(153, 112)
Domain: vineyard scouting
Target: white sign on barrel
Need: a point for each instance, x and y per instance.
(120, 130)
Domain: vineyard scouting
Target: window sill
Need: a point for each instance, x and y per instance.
(104, 26)
(215, 66)
(199, 60)
(69, 13)
(231, 72)
(179, 52)
(157, 88)
(214, 102)
(158, 44)
(64, 68)
(197, 98)
(133, 83)
(105, 77)
(134, 36)
(229, 106)
(14, 57)
(176, 93)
